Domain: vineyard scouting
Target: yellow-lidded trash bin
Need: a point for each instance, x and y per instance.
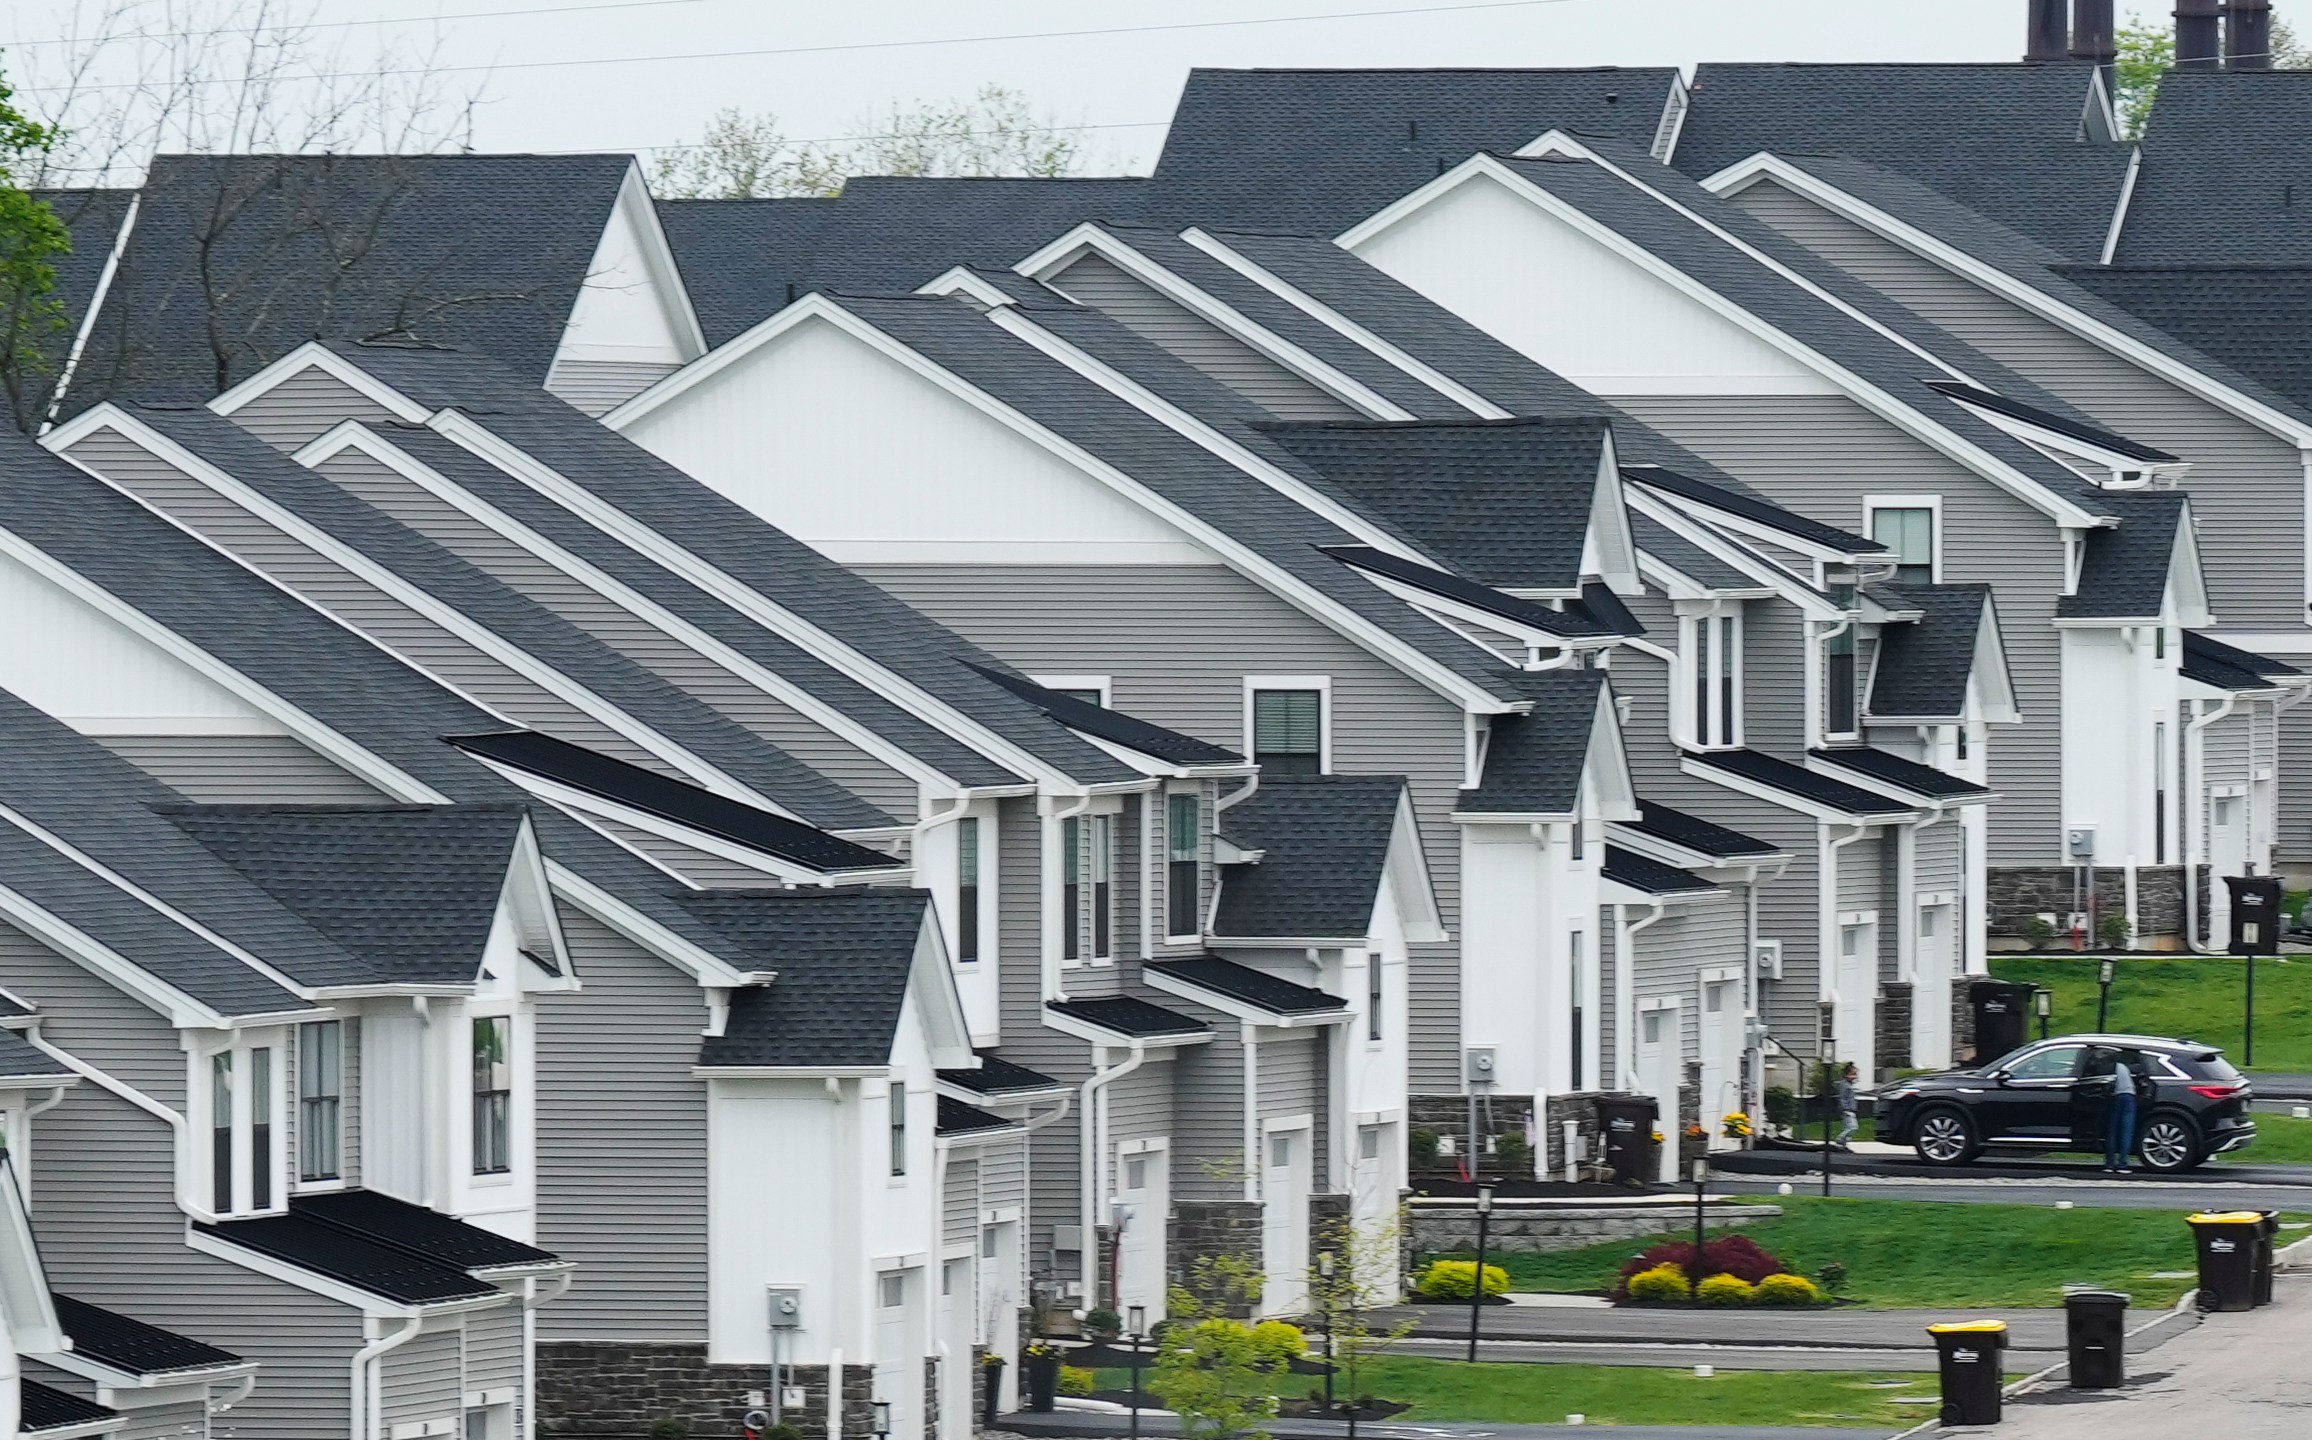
(2227, 1242)
(1968, 1355)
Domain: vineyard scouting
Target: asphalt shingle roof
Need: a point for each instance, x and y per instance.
(132, 1345)
(2123, 572)
(1750, 507)
(93, 217)
(1921, 669)
(481, 250)
(1314, 151)
(1327, 843)
(415, 1230)
(1693, 833)
(1247, 985)
(2251, 319)
(1797, 780)
(843, 958)
(1128, 1016)
(2060, 424)
(20, 1058)
(1534, 761)
(2212, 662)
(364, 1263)
(1642, 872)
(1891, 769)
(995, 1077)
(45, 1408)
(738, 256)
(957, 1118)
(1114, 725)
(1505, 503)
(2225, 179)
(412, 890)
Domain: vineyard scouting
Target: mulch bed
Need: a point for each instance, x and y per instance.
(1443, 1189)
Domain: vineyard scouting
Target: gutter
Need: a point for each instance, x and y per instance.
(2195, 854)
(366, 1421)
(1052, 866)
(1626, 993)
(1091, 1143)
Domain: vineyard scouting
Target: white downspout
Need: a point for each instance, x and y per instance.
(2195, 846)
(366, 1401)
(1054, 886)
(835, 1393)
(1248, 1039)
(1091, 1145)
(178, 1127)
(1830, 954)
(1626, 992)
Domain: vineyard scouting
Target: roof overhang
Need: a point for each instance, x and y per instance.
(1894, 790)
(1238, 1008)
(1775, 795)
(1084, 1030)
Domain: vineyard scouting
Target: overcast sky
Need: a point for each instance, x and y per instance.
(1123, 85)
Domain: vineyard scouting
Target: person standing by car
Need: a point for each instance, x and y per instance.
(1847, 1122)
(2119, 1112)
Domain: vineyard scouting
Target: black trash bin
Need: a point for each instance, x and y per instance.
(2266, 1261)
(2228, 1242)
(1628, 1123)
(2002, 1016)
(2095, 1324)
(1969, 1357)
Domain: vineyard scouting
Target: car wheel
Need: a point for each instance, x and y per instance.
(1944, 1136)
(2169, 1142)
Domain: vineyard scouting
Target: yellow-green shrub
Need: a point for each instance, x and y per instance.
(1663, 1282)
(1788, 1289)
(1276, 1340)
(1452, 1279)
(1075, 1380)
(1726, 1290)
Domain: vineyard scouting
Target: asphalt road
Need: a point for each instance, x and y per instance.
(1791, 1164)
(2092, 1194)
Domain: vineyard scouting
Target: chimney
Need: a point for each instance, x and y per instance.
(2091, 35)
(2050, 30)
(2248, 34)
(2198, 46)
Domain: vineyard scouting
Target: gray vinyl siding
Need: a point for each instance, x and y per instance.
(1178, 642)
(1291, 1083)
(628, 633)
(1692, 936)
(1938, 858)
(1094, 281)
(622, 1166)
(1862, 876)
(959, 1204)
(1139, 1108)
(421, 1379)
(2295, 782)
(305, 407)
(1054, 1198)
(707, 871)
(598, 386)
(2247, 486)
(1208, 1158)
(457, 664)
(90, 1019)
(242, 769)
(1820, 455)
(1774, 678)
(494, 1348)
(2227, 757)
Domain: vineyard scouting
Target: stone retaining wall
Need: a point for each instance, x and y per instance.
(587, 1388)
(1441, 1228)
(2015, 893)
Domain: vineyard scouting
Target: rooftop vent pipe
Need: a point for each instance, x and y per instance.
(2248, 34)
(2050, 34)
(2198, 45)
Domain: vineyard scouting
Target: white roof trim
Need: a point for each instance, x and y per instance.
(658, 257)
(705, 966)
(1773, 795)
(1665, 510)
(314, 355)
(2126, 201)
(91, 954)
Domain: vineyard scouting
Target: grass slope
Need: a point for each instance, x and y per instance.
(1925, 1253)
(2280, 1140)
(1616, 1395)
(2199, 997)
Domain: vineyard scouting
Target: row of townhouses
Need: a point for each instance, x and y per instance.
(621, 809)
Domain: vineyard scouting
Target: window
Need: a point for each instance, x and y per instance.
(1136, 1173)
(1652, 1027)
(241, 1113)
(896, 1106)
(1087, 886)
(2159, 643)
(320, 1101)
(1072, 889)
(1279, 1151)
(1838, 670)
(1908, 531)
(1288, 731)
(1574, 985)
(1372, 997)
(1575, 836)
(1100, 867)
(1089, 697)
(1183, 818)
(967, 889)
(2159, 794)
(221, 1129)
(2056, 1063)
(1717, 666)
(493, 1095)
(260, 1157)
(1368, 1142)
(989, 1243)
(477, 1425)
(892, 1289)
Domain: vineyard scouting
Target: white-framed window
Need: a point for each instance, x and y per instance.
(1576, 981)
(1091, 689)
(493, 1094)
(240, 1092)
(320, 1102)
(1911, 527)
(895, 1107)
(967, 892)
(1288, 723)
(1714, 680)
(1841, 714)
(891, 1289)
(1373, 996)
(1087, 888)
(1183, 865)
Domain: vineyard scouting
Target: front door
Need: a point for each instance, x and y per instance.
(1658, 1076)
(1854, 1015)
(1144, 1194)
(956, 1334)
(2227, 855)
(898, 1358)
(1284, 1190)
(998, 1294)
(1372, 1205)
(2033, 1100)
(1933, 962)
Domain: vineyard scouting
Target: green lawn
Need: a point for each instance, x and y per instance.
(2280, 1140)
(1925, 1253)
(1445, 1390)
(2197, 997)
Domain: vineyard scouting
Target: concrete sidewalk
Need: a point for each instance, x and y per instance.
(1842, 1327)
(2240, 1377)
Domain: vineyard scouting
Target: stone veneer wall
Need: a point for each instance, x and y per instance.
(1442, 1227)
(930, 1395)
(1448, 1115)
(2015, 893)
(1202, 1229)
(1894, 1026)
(588, 1388)
(1962, 1025)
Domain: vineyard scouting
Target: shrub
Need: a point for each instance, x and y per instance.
(1515, 1154)
(1452, 1279)
(1781, 1106)
(1726, 1290)
(784, 1431)
(1787, 1289)
(2113, 930)
(2037, 930)
(1662, 1282)
(1276, 1340)
(668, 1429)
(1075, 1380)
(1832, 1277)
(1104, 1323)
(1423, 1145)
(1737, 1255)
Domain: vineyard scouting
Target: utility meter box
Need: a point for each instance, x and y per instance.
(1477, 1067)
(2079, 842)
(786, 1307)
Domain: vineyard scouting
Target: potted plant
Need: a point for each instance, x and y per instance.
(990, 1389)
(1734, 1125)
(1103, 1325)
(1042, 1369)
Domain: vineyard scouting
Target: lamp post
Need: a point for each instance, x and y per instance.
(2102, 998)
(1477, 1280)
(1325, 1279)
(1136, 1327)
(1694, 1272)
(2043, 1001)
(882, 1419)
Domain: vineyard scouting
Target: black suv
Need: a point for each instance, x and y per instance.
(2052, 1095)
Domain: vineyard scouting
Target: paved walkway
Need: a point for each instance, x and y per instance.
(2238, 1377)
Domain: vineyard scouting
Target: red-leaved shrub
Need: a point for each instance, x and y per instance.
(1726, 1255)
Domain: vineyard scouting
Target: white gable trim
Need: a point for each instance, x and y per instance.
(702, 965)
(2126, 203)
(1999, 282)
(1608, 551)
(1901, 415)
(95, 956)
(1405, 870)
(938, 999)
(313, 355)
(1772, 578)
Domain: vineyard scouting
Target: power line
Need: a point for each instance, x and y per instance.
(373, 21)
(862, 45)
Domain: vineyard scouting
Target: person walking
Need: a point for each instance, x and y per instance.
(1847, 1122)
(2119, 1113)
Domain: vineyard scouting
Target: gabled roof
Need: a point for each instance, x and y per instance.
(1692, 833)
(482, 250)
(1325, 843)
(1752, 508)
(607, 778)
(1602, 607)
(996, 1077)
(844, 959)
(413, 890)
(2249, 318)
(1643, 873)
(1313, 151)
(417, 1231)
(1669, 548)
(94, 219)
(738, 256)
(133, 1347)
(2227, 667)
(2060, 424)
(1505, 503)
(1130, 1018)
(1921, 668)
(1570, 623)
(1230, 981)
(2125, 569)
(1799, 782)
(1892, 770)
(1114, 725)
(1534, 761)
(2225, 176)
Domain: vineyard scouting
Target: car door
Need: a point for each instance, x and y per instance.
(2033, 1099)
(2091, 1098)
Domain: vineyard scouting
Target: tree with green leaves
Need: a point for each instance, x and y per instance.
(1356, 1276)
(2147, 51)
(1217, 1372)
(32, 325)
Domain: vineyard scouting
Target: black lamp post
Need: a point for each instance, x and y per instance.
(1477, 1280)
(1325, 1278)
(1136, 1327)
(882, 1419)
(2043, 1001)
(2102, 998)
(1694, 1274)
